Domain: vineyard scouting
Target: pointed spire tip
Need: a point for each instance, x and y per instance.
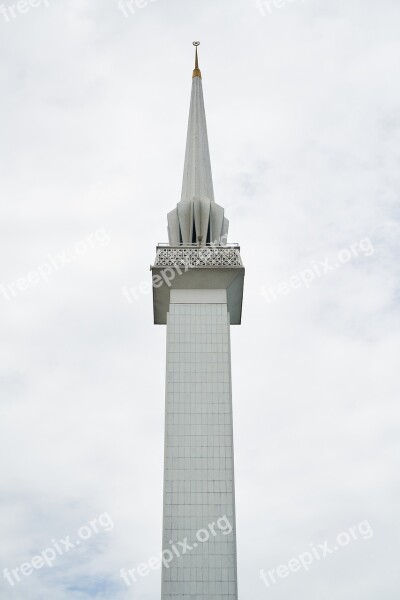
(196, 72)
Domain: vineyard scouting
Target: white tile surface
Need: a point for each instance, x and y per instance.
(199, 475)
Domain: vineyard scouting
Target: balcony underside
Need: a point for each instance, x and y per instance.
(197, 267)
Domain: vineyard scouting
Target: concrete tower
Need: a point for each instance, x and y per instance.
(197, 293)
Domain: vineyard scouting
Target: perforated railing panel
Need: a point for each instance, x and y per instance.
(198, 257)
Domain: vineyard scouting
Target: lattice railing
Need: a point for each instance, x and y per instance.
(198, 256)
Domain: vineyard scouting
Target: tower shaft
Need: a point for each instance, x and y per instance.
(199, 504)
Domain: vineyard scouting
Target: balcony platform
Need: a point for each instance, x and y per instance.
(192, 267)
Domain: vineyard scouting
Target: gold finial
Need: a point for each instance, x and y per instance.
(196, 72)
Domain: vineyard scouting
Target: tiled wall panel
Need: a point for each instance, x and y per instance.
(199, 501)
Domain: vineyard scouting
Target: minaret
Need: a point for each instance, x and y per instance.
(197, 293)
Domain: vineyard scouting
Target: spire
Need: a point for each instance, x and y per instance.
(196, 72)
(197, 176)
(197, 218)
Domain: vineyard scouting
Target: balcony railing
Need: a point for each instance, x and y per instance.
(193, 255)
(196, 245)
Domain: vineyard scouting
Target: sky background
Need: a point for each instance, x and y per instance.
(302, 102)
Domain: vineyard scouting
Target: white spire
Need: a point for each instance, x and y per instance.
(197, 176)
(197, 219)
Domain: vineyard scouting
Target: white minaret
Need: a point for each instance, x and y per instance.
(197, 293)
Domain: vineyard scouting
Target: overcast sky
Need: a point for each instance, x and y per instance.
(302, 102)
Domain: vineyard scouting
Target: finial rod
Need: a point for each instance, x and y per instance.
(196, 72)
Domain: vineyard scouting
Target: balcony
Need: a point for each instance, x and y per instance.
(195, 256)
(195, 267)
